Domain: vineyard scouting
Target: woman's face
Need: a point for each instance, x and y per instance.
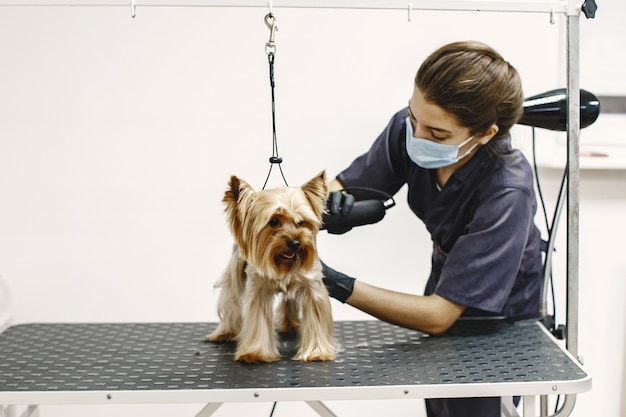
(432, 122)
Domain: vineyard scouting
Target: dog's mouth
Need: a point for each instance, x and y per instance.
(288, 255)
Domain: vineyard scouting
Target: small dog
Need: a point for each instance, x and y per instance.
(275, 232)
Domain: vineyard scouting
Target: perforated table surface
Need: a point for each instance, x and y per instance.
(169, 362)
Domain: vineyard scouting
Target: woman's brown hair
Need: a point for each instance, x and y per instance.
(473, 82)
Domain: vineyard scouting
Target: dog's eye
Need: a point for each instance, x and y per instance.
(274, 222)
(300, 223)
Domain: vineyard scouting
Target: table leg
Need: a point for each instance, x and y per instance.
(529, 405)
(508, 407)
(209, 409)
(8, 411)
(11, 411)
(320, 408)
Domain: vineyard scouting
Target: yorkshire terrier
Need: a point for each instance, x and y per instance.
(274, 278)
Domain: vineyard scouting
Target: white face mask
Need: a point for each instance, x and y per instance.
(429, 154)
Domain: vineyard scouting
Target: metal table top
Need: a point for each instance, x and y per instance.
(169, 362)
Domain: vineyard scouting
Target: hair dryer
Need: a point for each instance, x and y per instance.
(549, 110)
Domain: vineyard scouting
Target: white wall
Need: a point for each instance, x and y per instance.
(118, 136)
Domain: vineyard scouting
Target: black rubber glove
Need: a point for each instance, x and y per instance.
(339, 286)
(339, 204)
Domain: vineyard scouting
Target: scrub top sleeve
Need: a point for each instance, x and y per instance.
(383, 166)
(482, 267)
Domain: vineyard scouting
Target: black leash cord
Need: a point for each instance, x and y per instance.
(273, 409)
(270, 50)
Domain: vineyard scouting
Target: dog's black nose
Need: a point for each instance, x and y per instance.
(293, 244)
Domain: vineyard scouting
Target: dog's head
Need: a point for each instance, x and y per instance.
(276, 229)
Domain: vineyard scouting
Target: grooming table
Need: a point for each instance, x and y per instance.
(132, 363)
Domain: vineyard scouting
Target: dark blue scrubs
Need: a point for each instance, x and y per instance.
(486, 247)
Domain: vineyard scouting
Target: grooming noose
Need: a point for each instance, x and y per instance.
(270, 50)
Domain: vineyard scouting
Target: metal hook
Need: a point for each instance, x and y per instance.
(270, 22)
(132, 8)
(552, 15)
(410, 7)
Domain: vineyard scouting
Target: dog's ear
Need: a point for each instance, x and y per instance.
(237, 190)
(232, 193)
(237, 199)
(316, 191)
(231, 196)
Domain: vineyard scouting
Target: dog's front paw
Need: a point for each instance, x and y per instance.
(221, 336)
(256, 357)
(316, 355)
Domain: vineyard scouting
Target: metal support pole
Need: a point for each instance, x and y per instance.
(529, 405)
(573, 185)
(6, 304)
(568, 406)
(543, 405)
(525, 6)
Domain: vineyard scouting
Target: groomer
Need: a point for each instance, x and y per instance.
(451, 146)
